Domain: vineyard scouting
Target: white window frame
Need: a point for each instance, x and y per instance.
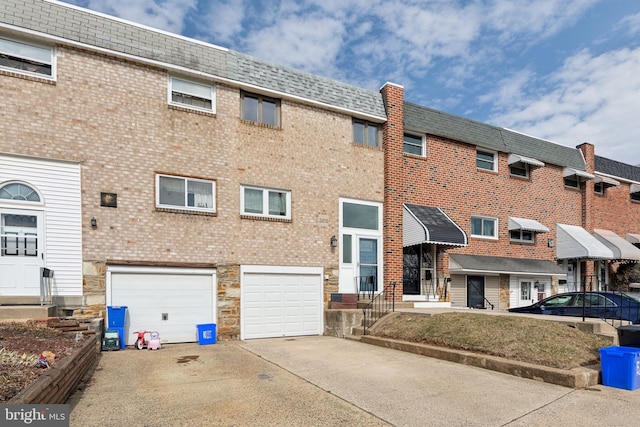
(521, 239)
(494, 162)
(485, 218)
(11, 48)
(265, 202)
(572, 178)
(520, 166)
(423, 144)
(185, 207)
(194, 90)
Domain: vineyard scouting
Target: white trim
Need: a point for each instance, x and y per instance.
(606, 180)
(265, 201)
(186, 180)
(481, 236)
(487, 151)
(423, 145)
(634, 188)
(580, 174)
(526, 225)
(52, 63)
(212, 94)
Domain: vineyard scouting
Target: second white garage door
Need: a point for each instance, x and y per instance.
(171, 301)
(281, 301)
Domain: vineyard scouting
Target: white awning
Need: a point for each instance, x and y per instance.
(633, 238)
(606, 180)
(634, 188)
(526, 225)
(571, 171)
(620, 247)
(515, 158)
(575, 242)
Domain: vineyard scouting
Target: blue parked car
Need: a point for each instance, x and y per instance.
(604, 305)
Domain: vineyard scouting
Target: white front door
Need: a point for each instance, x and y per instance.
(526, 293)
(21, 251)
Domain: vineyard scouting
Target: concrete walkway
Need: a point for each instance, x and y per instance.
(327, 381)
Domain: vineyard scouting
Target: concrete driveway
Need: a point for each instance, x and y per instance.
(327, 381)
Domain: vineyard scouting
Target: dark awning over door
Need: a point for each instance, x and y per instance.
(426, 224)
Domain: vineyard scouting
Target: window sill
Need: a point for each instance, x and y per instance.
(30, 77)
(264, 218)
(414, 156)
(521, 178)
(191, 110)
(521, 242)
(186, 212)
(492, 239)
(356, 144)
(487, 171)
(258, 124)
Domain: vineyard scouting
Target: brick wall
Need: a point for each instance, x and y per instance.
(113, 117)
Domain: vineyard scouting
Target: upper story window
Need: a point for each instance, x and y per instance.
(360, 215)
(525, 236)
(486, 160)
(260, 109)
(519, 169)
(366, 133)
(598, 187)
(634, 190)
(484, 227)
(265, 202)
(414, 145)
(191, 95)
(175, 192)
(572, 181)
(26, 58)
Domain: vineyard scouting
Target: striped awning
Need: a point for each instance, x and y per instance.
(517, 158)
(577, 172)
(426, 224)
(526, 225)
(606, 181)
(575, 242)
(620, 247)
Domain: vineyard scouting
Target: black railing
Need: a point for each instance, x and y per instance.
(484, 299)
(366, 286)
(380, 305)
(615, 307)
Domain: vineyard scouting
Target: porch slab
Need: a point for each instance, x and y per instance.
(23, 312)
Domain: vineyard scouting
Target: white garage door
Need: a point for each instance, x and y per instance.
(281, 301)
(170, 301)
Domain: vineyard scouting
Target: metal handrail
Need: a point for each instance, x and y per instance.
(483, 297)
(366, 285)
(380, 305)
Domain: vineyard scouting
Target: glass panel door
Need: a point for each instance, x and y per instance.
(368, 264)
(21, 251)
(475, 291)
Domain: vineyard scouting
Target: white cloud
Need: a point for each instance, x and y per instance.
(631, 24)
(220, 21)
(590, 99)
(166, 15)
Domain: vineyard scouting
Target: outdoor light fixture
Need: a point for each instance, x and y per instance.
(334, 241)
(94, 223)
(550, 243)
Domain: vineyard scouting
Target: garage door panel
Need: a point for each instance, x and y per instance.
(281, 304)
(186, 299)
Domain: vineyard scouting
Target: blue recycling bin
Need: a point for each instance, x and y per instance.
(620, 367)
(116, 316)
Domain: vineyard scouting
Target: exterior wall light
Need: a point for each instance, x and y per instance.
(94, 223)
(334, 241)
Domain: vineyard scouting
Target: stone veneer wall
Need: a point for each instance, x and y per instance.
(228, 323)
(94, 278)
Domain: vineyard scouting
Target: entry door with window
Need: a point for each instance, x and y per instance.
(475, 291)
(21, 251)
(368, 264)
(526, 298)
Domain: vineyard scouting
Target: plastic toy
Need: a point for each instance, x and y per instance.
(141, 341)
(154, 341)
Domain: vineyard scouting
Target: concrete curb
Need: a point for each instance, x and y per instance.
(582, 377)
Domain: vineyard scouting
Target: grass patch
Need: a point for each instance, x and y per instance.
(537, 341)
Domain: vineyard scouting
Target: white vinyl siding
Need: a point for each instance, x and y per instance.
(59, 184)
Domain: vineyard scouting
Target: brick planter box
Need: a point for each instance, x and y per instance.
(60, 381)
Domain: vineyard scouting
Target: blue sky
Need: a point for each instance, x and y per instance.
(563, 70)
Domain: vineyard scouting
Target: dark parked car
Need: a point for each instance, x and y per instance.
(604, 305)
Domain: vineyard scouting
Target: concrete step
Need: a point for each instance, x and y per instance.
(25, 312)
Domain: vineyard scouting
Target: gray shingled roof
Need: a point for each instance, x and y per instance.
(93, 29)
(422, 119)
(617, 169)
(521, 265)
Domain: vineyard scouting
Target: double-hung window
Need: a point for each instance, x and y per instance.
(191, 95)
(484, 227)
(27, 58)
(414, 144)
(265, 202)
(366, 133)
(486, 160)
(519, 169)
(260, 109)
(175, 192)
